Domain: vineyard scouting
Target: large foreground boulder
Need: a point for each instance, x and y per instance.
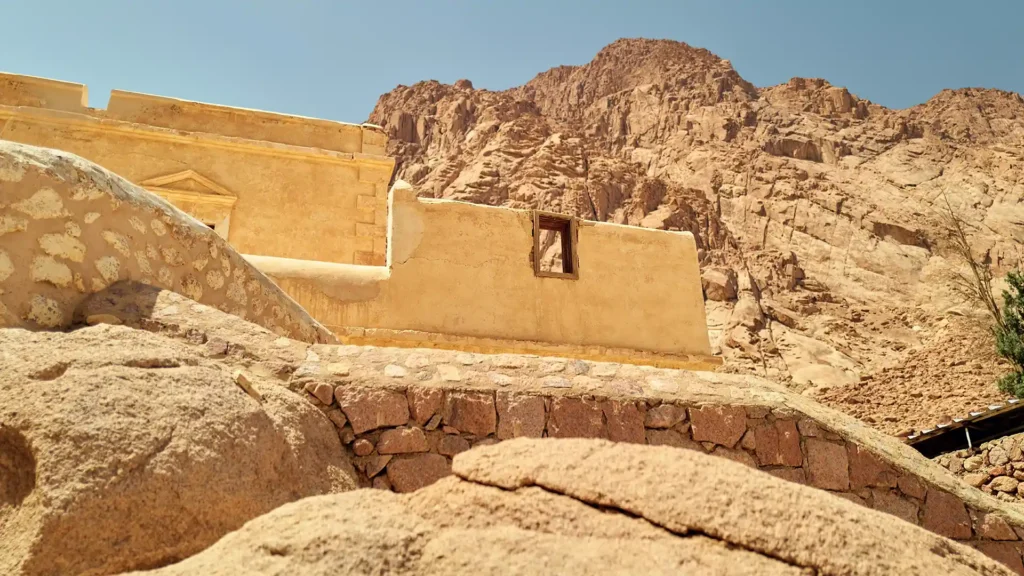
(121, 449)
(586, 507)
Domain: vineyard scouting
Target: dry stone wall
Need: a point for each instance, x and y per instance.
(403, 439)
(402, 413)
(69, 228)
(995, 467)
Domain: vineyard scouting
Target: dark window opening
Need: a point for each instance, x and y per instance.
(554, 246)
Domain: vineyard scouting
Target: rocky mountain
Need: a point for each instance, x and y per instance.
(821, 216)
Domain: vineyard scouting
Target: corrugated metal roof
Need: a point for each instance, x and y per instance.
(1010, 405)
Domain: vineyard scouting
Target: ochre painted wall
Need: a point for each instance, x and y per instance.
(466, 270)
(17, 90)
(306, 189)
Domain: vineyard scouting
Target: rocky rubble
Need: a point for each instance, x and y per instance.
(996, 467)
(826, 207)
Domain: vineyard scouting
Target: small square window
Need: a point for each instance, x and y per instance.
(554, 246)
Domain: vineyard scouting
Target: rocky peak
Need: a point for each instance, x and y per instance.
(663, 135)
(817, 96)
(675, 70)
(981, 115)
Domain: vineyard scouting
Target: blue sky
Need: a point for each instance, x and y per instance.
(333, 58)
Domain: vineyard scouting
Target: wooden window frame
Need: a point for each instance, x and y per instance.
(568, 232)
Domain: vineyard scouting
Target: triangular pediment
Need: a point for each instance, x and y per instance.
(188, 181)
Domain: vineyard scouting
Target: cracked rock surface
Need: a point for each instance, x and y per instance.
(121, 449)
(585, 507)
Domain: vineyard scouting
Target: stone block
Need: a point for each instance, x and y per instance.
(624, 420)
(362, 447)
(892, 503)
(451, 444)
(471, 412)
(992, 527)
(1004, 484)
(362, 244)
(1013, 450)
(576, 418)
(375, 464)
(366, 230)
(808, 428)
(740, 456)
(381, 483)
(974, 463)
(365, 217)
(866, 469)
(449, 373)
(336, 416)
(520, 415)
(410, 473)
(723, 425)
(433, 423)
(658, 437)
(758, 412)
(851, 497)
(998, 457)
(956, 464)
(778, 444)
(424, 403)
(749, 441)
(395, 371)
(790, 474)
(828, 466)
(665, 416)
(371, 408)
(912, 487)
(946, 515)
(366, 202)
(321, 391)
(402, 441)
(976, 479)
(366, 258)
(1006, 552)
(346, 435)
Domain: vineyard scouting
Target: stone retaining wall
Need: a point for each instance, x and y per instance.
(403, 438)
(402, 413)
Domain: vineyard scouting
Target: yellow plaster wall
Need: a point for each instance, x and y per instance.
(465, 270)
(18, 90)
(306, 189)
(244, 123)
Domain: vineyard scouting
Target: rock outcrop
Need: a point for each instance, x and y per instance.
(586, 507)
(121, 449)
(70, 228)
(827, 207)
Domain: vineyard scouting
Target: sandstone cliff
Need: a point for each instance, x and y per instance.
(819, 214)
